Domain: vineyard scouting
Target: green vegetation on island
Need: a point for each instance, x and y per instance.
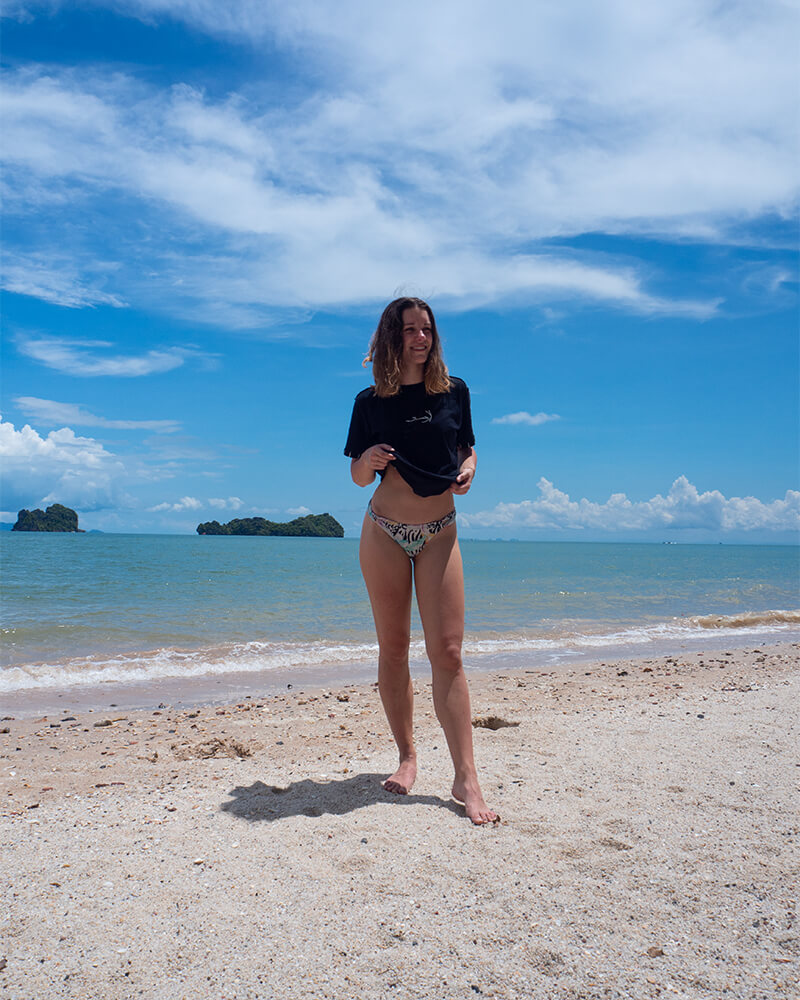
(55, 518)
(310, 526)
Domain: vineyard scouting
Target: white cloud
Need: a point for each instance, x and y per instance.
(298, 511)
(60, 468)
(682, 507)
(48, 411)
(673, 119)
(232, 503)
(523, 417)
(185, 503)
(192, 503)
(54, 279)
(85, 358)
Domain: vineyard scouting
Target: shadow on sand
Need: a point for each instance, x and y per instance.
(259, 802)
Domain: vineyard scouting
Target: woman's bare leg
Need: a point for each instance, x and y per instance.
(439, 580)
(387, 574)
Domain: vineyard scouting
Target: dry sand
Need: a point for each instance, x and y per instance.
(648, 844)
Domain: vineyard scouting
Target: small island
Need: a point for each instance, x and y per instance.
(310, 526)
(55, 518)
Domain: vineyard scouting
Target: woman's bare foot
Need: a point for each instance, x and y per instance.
(468, 793)
(402, 781)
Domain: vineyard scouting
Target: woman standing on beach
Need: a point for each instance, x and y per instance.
(414, 430)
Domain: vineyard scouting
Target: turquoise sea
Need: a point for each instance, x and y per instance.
(88, 611)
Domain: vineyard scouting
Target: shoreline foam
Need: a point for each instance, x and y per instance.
(275, 664)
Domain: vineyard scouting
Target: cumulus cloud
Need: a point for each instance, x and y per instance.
(298, 511)
(185, 503)
(60, 468)
(50, 412)
(192, 503)
(232, 503)
(529, 419)
(671, 119)
(85, 358)
(682, 507)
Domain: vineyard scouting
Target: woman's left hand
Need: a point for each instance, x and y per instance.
(463, 481)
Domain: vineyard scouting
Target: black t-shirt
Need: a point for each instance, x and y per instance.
(425, 431)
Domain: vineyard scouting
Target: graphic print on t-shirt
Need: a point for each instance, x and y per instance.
(425, 418)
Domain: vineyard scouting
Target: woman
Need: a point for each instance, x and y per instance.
(414, 430)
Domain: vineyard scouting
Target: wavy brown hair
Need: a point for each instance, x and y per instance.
(386, 351)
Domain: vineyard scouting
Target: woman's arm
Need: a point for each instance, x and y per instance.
(467, 463)
(373, 460)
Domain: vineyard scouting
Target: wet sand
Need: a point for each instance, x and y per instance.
(648, 844)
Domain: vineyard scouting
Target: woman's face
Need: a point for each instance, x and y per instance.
(417, 337)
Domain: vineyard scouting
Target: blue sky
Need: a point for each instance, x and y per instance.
(207, 206)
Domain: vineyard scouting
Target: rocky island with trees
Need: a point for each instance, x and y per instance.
(310, 526)
(55, 518)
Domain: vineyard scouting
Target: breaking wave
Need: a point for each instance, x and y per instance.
(749, 619)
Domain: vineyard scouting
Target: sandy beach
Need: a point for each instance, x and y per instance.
(648, 844)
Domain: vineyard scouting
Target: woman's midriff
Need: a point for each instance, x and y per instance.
(394, 498)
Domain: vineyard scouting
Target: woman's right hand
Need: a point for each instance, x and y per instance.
(375, 459)
(378, 456)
